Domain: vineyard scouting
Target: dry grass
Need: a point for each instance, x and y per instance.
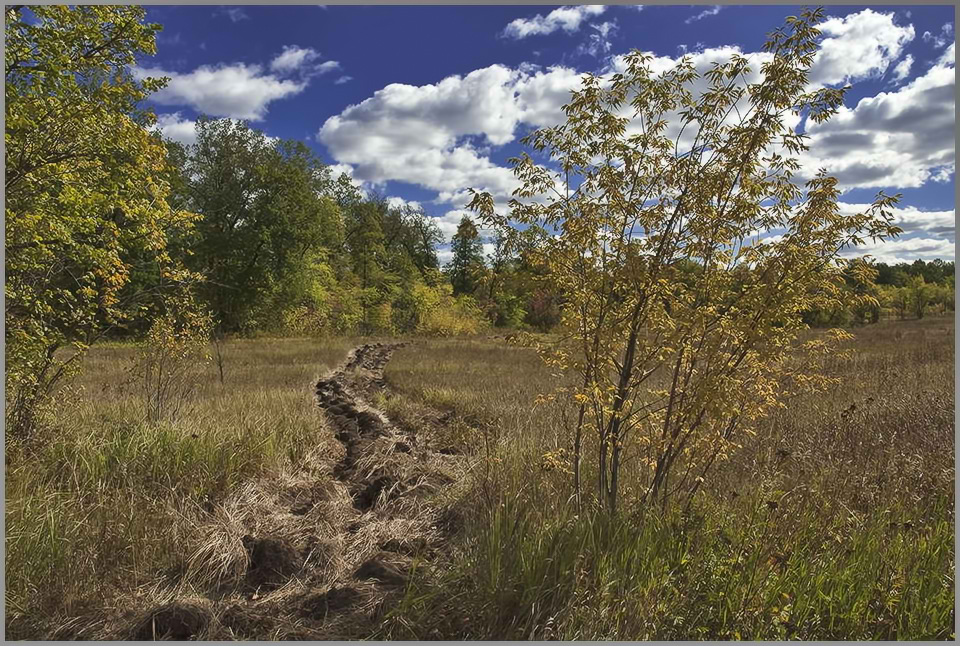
(104, 504)
(229, 522)
(834, 521)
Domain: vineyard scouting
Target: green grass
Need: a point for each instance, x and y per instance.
(859, 546)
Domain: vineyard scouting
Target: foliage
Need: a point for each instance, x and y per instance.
(172, 356)
(679, 362)
(859, 543)
(265, 217)
(85, 194)
(437, 312)
(467, 258)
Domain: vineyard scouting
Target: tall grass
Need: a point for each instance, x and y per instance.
(836, 521)
(104, 502)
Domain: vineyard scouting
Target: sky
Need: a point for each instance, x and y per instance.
(421, 103)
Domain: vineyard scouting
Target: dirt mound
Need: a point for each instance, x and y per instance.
(272, 560)
(318, 606)
(177, 620)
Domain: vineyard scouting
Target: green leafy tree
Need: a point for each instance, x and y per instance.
(675, 364)
(921, 294)
(265, 217)
(85, 190)
(467, 257)
(410, 239)
(898, 298)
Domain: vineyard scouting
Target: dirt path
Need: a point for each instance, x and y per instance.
(319, 553)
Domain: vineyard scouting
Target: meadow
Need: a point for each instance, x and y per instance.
(835, 521)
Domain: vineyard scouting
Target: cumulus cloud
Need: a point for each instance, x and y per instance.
(239, 91)
(182, 130)
(858, 46)
(941, 40)
(444, 255)
(439, 136)
(398, 203)
(449, 221)
(292, 58)
(418, 134)
(175, 127)
(903, 138)
(336, 170)
(568, 19)
(894, 251)
(343, 79)
(949, 55)
(712, 11)
(913, 221)
(902, 70)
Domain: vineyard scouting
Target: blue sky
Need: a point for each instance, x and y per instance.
(423, 102)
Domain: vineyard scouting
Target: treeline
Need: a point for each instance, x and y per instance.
(904, 290)
(109, 228)
(282, 246)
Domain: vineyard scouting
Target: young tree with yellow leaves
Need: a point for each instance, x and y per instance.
(687, 253)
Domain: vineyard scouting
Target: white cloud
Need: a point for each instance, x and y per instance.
(599, 43)
(913, 221)
(449, 221)
(292, 58)
(946, 33)
(327, 66)
(445, 255)
(235, 14)
(398, 202)
(175, 127)
(902, 70)
(302, 61)
(858, 46)
(438, 136)
(894, 251)
(949, 55)
(336, 170)
(712, 11)
(903, 138)
(239, 91)
(343, 79)
(431, 135)
(565, 18)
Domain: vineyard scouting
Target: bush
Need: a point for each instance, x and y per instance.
(438, 313)
(172, 355)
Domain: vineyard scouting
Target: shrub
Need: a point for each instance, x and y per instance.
(174, 352)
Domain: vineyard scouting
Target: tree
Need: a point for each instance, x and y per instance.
(920, 293)
(648, 177)
(410, 238)
(85, 190)
(899, 299)
(265, 217)
(467, 257)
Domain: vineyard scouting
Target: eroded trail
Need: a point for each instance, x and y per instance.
(324, 551)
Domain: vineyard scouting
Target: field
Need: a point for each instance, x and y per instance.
(255, 514)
